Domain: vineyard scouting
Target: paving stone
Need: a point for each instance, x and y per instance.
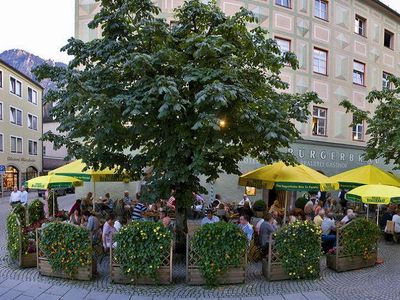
(97, 295)
(74, 294)
(141, 297)
(23, 297)
(317, 295)
(273, 297)
(46, 296)
(33, 292)
(296, 296)
(11, 294)
(24, 286)
(119, 297)
(59, 290)
(251, 298)
(10, 283)
(3, 290)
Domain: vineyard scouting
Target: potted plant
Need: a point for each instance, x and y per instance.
(65, 251)
(216, 254)
(259, 208)
(356, 246)
(301, 202)
(21, 242)
(294, 252)
(142, 254)
(35, 211)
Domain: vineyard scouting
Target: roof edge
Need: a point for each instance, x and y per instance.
(21, 74)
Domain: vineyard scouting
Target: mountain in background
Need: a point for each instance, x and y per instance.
(25, 62)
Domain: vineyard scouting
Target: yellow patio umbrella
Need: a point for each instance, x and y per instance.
(374, 194)
(79, 170)
(368, 174)
(288, 178)
(52, 182)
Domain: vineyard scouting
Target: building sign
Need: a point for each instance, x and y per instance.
(21, 159)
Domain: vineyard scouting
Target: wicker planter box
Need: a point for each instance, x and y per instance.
(347, 263)
(164, 273)
(45, 269)
(234, 275)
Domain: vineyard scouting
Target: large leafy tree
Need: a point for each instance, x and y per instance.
(188, 99)
(383, 124)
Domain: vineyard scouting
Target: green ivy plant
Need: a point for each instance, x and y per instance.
(13, 235)
(141, 248)
(35, 211)
(218, 246)
(298, 246)
(359, 238)
(20, 210)
(66, 246)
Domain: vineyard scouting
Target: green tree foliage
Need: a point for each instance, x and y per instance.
(189, 99)
(383, 125)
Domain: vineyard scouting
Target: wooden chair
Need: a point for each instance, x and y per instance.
(389, 231)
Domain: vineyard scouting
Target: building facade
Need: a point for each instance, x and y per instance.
(20, 127)
(345, 49)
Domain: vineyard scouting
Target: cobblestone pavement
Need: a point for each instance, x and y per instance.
(380, 282)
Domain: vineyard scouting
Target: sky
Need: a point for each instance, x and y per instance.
(42, 27)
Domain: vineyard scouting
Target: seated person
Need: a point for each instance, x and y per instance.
(319, 218)
(138, 211)
(221, 212)
(328, 229)
(75, 218)
(348, 217)
(246, 210)
(266, 229)
(108, 231)
(244, 200)
(119, 222)
(209, 218)
(92, 224)
(244, 224)
(165, 219)
(76, 206)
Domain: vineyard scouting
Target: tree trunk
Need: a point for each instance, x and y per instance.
(183, 203)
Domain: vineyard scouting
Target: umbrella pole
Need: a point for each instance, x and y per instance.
(94, 195)
(377, 215)
(54, 202)
(286, 201)
(367, 211)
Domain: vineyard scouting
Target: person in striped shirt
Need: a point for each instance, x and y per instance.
(171, 201)
(138, 211)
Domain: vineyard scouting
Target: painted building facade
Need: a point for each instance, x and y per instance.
(345, 49)
(20, 127)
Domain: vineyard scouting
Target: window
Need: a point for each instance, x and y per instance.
(16, 144)
(320, 61)
(321, 9)
(32, 122)
(1, 110)
(15, 86)
(358, 73)
(319, 121)
(388, 39)
(283, 44)
(32, 95)
(1, 142)
(1, 78)
(385, 81)
(32, 147)
(285, 3)
(44, 150)
(358, 132)
(15, 116)
(360, 25)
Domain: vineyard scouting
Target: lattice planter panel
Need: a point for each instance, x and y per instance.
(342, 260)
(234, 275)
(164, 273)
(272, 267)
(83, 273)
(25, 260)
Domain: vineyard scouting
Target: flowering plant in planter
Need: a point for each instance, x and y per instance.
(141, 248)
(13, 235)
(299, 249)
(360, 238)
(218, 246)
(35, 211)
(66, 246)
